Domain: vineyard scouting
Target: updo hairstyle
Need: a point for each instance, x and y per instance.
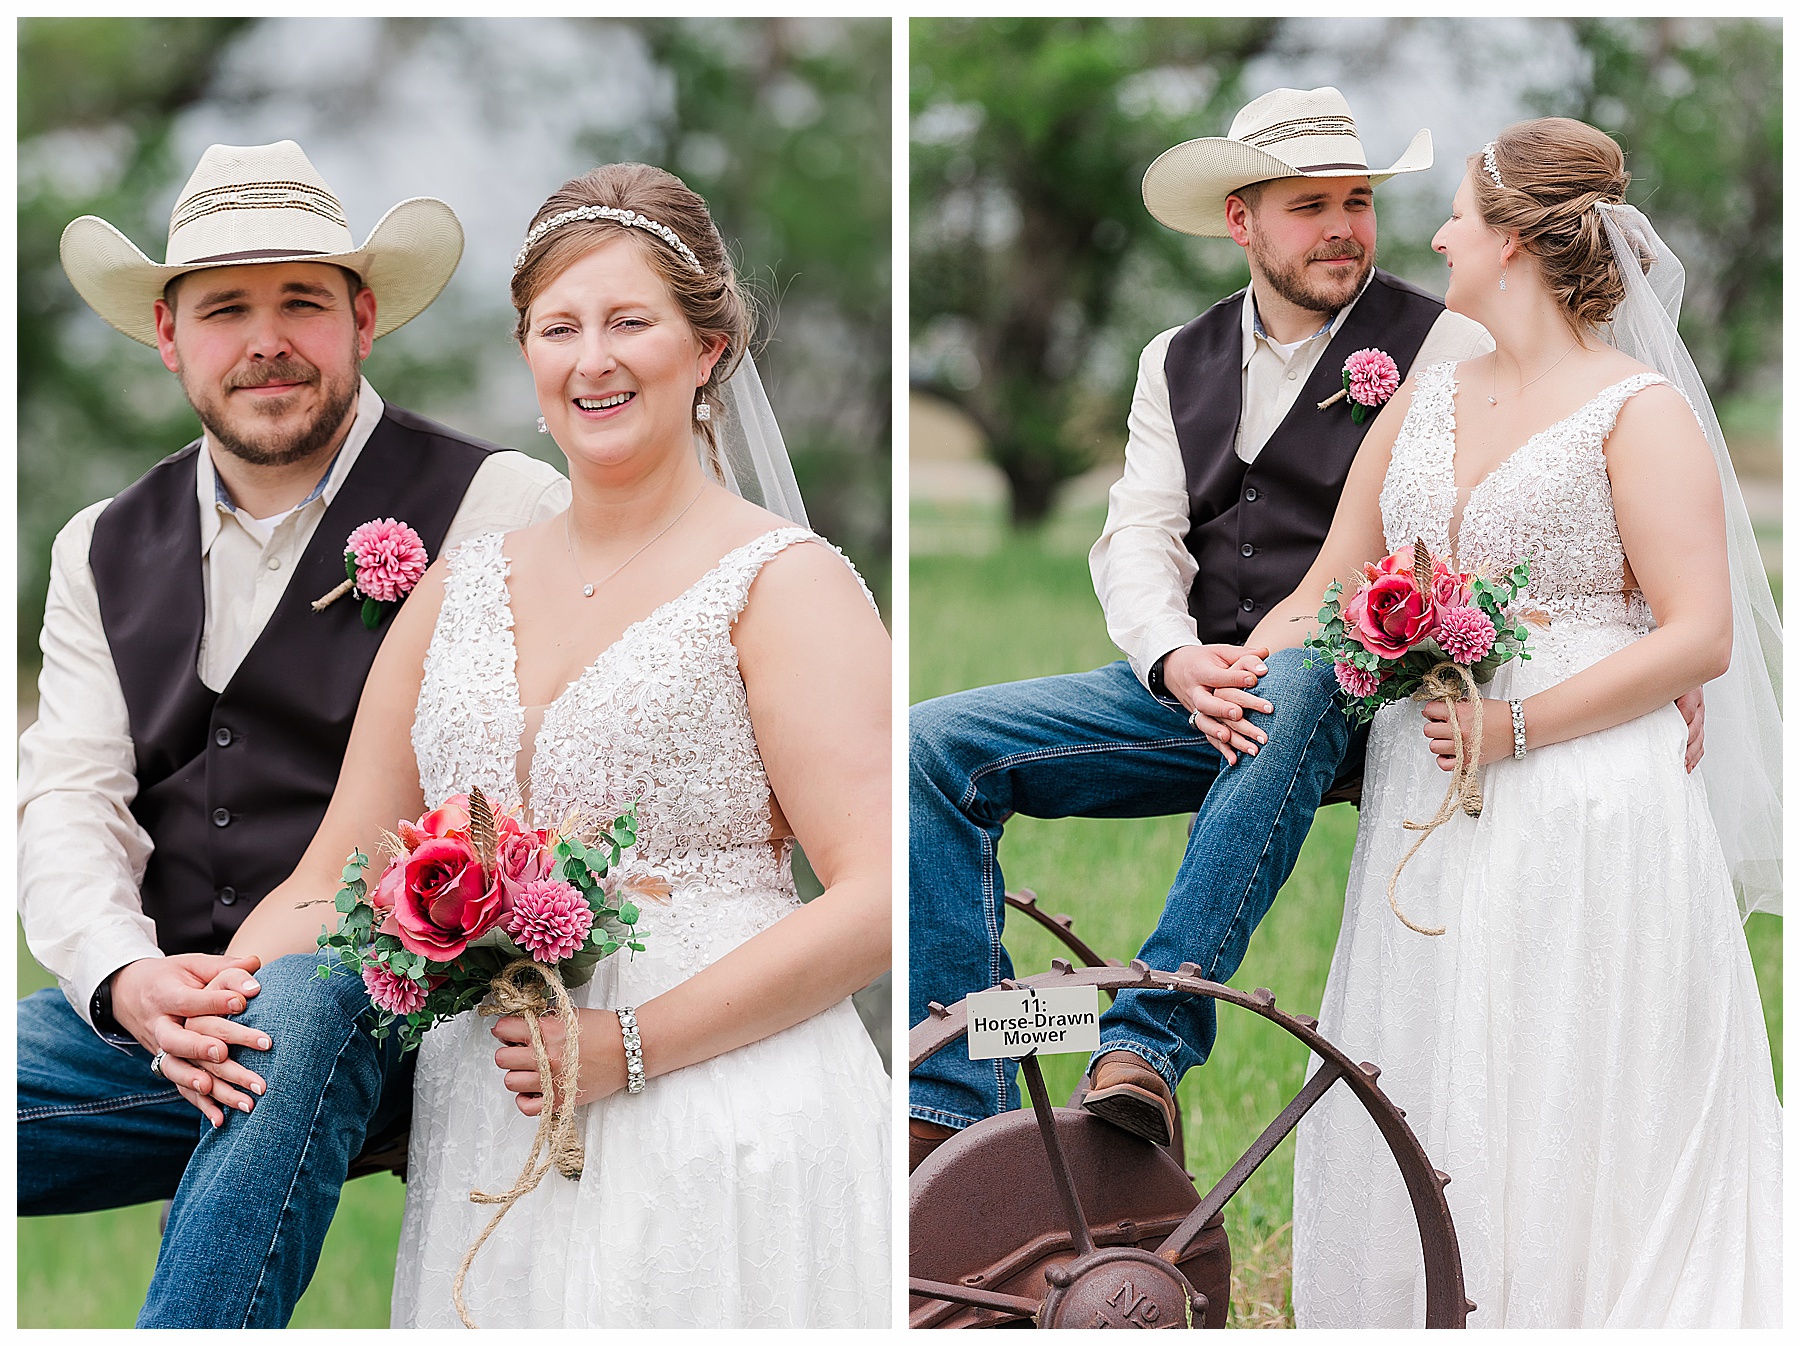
(710, 300)
(1555, 170)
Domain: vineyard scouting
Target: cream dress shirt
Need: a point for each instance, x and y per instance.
(81, 852)
(1141, 566)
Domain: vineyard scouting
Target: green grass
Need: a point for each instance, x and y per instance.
(92, 1270)
(993, 607)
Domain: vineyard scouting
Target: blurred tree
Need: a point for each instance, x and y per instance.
(783, 126)
(1030, 138)
(1697, 105)
(97, 100)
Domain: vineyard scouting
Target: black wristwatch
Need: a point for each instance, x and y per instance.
(1160, 689)
(100, 1010)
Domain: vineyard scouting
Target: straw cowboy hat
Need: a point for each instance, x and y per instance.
(1287, 133)
(250, 204)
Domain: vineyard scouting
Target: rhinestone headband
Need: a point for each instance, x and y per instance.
(1487, 162)
(625, 217)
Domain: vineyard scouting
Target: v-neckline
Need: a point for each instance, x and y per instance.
(1459, 516)
(512, 643)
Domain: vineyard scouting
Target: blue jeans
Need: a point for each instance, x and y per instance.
(1097, 745)
(254, 1198)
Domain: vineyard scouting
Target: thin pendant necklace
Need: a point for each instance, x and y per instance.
(587, 590)
(1494, 397)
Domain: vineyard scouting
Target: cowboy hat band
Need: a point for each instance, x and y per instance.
(253, 204)
(1286, 133)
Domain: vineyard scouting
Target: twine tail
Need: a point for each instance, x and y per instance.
(513, 992)
(1464, 790)
(320, 604)
(1338, 396)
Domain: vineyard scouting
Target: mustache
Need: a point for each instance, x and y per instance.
(1332, 251)
(289, 370)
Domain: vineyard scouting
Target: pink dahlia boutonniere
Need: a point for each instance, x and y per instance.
(384, 559)
(1370, 378)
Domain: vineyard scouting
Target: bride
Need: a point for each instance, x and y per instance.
(1583, 1049)
(667, 643)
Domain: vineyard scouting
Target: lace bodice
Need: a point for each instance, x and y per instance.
(660, 719)
(1549, 503)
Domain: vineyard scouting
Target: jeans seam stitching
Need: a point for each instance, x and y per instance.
(123, 1103)
(1072, 750)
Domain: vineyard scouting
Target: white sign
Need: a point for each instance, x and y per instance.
(1045, 1020)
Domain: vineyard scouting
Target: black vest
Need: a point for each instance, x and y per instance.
(1255, 528)
(233, 784)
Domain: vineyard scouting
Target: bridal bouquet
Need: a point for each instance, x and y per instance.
(1416, 628)
(467, 893)
(1411, 615)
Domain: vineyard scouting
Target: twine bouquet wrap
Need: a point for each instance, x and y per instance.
(474, 910)
(1416, 629)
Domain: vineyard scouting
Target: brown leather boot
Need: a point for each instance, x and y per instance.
(922, 1138)
(1128, 1093)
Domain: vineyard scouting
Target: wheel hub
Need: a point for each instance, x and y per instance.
(1120, 1287)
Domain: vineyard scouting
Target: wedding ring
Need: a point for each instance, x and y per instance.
(1194, 720)
(156, 1065)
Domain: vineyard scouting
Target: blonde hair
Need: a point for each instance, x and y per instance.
(711, 299)
(1555, 171)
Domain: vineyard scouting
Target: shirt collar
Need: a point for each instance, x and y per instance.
(213, 497)
(1252, 320)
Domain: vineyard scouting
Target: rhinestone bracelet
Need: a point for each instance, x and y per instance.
(1518, 719)
(634, 1050)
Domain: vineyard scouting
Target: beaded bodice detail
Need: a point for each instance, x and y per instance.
(1549, 503)
(660, 719)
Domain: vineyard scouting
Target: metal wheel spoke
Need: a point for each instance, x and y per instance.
(1017, 1305)
(1059, 1164)
(1175, 1247)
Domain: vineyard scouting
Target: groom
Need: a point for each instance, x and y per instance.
(194, 709)
(1232, 473)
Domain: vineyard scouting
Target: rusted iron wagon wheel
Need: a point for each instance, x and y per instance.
(1055, 1218)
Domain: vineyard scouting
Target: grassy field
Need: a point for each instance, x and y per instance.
(92, 1270)
(990, 607)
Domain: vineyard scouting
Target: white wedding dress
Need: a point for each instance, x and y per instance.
(1583, 1049)
(751, 1190)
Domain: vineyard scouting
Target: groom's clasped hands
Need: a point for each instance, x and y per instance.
(1216, 683)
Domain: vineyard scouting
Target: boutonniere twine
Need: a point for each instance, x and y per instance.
(1370, 378)
(384, 559)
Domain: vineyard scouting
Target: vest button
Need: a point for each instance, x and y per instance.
(1247, 550)
(222, 736)
(221, 817)
(1248, 605)
(1250, 494)
(228, 896)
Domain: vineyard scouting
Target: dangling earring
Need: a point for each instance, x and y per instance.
(703, 412)
(1502, 286)
(545, 429)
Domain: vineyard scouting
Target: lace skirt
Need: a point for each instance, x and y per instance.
(750, 1190)
(1583, 1050)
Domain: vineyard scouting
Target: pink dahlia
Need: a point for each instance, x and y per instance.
(1373, 377)
(550, 919)
(390, 558)
(392, 992)
(1356, 681)
(1465, 633)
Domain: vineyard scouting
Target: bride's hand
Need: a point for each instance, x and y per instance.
(602, 1069)
(1496, 731)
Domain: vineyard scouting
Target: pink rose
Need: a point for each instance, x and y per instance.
(387, 891)
(444, 902)
(1389, 616)
(520, 858)
(1449, 589)
(390, 559)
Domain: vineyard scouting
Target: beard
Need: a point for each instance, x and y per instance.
(1291, 279)
(255, 434)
